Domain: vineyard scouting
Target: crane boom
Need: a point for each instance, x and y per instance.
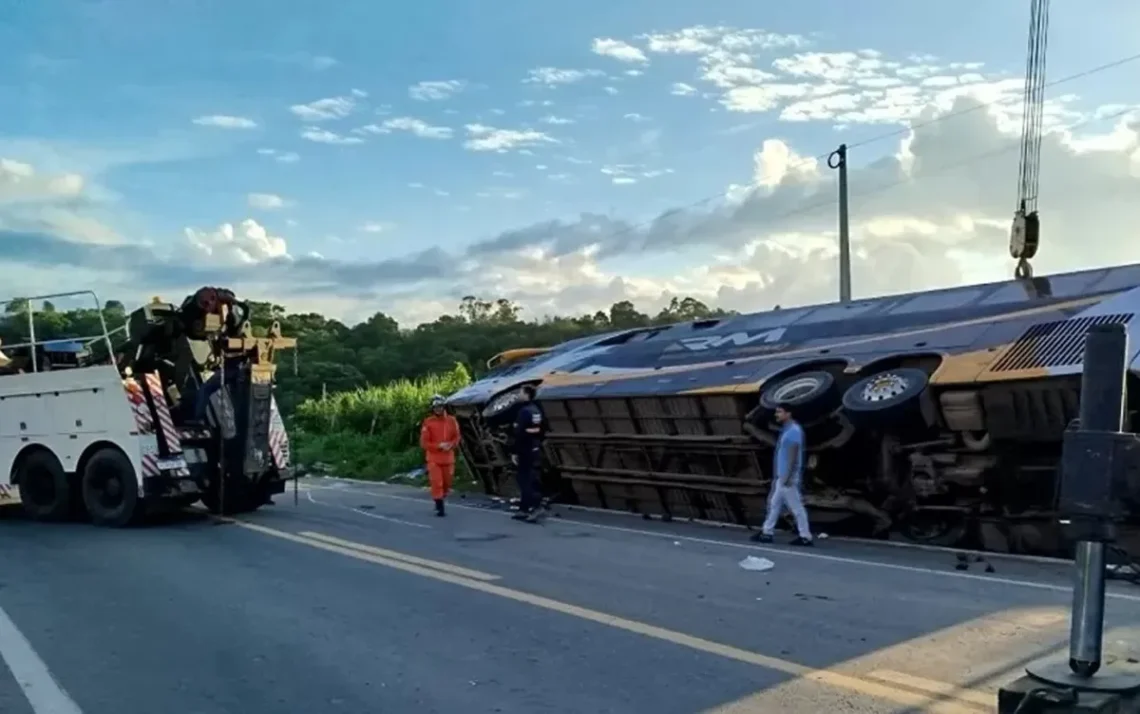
(1025, 232)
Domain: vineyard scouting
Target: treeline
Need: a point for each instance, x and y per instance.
(333, 357)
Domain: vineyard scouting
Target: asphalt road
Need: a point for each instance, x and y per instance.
(358, 600)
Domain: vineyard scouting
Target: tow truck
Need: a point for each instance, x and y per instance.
(182, 411)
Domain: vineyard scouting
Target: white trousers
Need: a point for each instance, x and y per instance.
(781, 497)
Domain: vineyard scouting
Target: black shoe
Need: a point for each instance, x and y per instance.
(439, 508)
(760, 538)
(802, 541)
(520, 515)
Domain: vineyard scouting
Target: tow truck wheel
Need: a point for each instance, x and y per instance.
(110, 491)
(45, 490)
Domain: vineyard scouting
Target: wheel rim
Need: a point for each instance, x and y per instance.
(796, 388)
(885, 387)
(106, 486)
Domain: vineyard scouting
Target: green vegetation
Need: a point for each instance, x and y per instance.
(353, 396)
(371, 432)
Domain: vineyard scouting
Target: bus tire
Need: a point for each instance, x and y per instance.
(110, 489)
(45, 490)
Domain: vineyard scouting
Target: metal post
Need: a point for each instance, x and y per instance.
(1102, 409)
(32, 335)
(1086, 628)
(1096, 458)
(221, 440)
(838, 160)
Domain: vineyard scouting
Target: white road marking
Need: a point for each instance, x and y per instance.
(35, 680)
(799, 553)
(377, 516)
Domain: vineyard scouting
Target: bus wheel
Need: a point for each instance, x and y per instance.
(44, 488)
(110, 490)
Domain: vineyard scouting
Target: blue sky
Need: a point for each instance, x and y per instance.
(127, 94)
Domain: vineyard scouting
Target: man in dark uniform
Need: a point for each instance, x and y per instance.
(529, 430)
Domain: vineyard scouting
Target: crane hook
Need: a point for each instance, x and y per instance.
(1023, 271)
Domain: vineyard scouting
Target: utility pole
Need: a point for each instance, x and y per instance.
(838, 160)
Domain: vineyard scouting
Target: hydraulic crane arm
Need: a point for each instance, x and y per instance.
(1025, 233)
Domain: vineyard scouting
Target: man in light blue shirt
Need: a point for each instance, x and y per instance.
(787, 480)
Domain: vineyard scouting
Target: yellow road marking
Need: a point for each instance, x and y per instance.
(941, 689)
(393, 555)
(866, 687)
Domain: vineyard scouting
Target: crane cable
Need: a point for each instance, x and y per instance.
(1032, 134)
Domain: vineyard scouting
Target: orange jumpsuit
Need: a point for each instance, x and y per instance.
(440, 463)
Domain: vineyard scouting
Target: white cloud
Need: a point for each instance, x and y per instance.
(633, 73)
(626, 174)
(245, 243)
(61, 204)
(846, 87)
(488, 138)
(931, 209)
(610, 90)
(932, 213)
(325, 109)
(21, 183)
(509, 194)
(553, 75)
(225, 121)
(376, 227)
(266, 201)
(618, 50)
(324, 136)
(436, 90)
(635, 117)
(285, 157)
(409, 124)
(552, 119)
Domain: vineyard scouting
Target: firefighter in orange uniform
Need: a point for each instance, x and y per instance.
(439, 438)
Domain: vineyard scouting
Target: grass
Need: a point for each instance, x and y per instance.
(372, 433)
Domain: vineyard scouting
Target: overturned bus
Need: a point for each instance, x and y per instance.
(935, 417)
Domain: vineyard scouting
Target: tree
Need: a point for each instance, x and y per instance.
(335, 357)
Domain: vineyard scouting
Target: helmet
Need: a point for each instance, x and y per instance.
(437, 400)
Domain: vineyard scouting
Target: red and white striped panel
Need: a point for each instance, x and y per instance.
(162, 409)
(9, 495)
(148, 445)
(135, 395)
(144, 422)
(278, 438)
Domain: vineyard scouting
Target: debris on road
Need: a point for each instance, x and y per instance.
(964, 560)
(757, 564)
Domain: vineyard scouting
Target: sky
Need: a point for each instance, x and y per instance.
(358, 156)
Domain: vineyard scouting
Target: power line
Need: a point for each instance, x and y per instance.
(889, 135)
